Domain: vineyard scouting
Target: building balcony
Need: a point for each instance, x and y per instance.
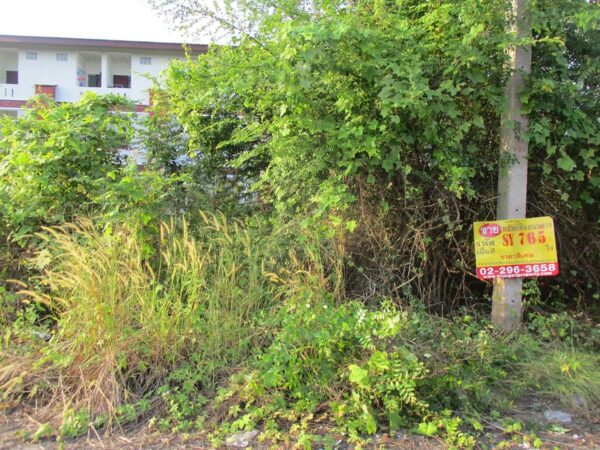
(14, 92)
(19, 92)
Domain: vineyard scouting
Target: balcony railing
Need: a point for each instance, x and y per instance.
(125, 92)
(9, 91)
(24, 92)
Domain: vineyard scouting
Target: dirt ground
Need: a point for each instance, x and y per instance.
(17, 427)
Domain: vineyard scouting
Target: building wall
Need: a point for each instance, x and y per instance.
(46, 70)
(140, 73)
(68, 75)
(8, 61)
(121, 65)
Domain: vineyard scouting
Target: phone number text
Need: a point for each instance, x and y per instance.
(518, 271)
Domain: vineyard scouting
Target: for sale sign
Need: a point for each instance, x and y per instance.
(516, 248)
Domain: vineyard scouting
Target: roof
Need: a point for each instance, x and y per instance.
(79, 42)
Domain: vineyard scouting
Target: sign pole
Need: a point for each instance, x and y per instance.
(512, 176)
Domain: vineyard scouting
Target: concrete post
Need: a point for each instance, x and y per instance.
(512, 176)
(106, 71)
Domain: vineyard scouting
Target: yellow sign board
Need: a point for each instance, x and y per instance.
(516, 248)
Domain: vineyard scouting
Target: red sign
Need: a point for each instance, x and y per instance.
(489, 230)
(518, 271)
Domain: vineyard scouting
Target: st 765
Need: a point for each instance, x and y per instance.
(532, 237)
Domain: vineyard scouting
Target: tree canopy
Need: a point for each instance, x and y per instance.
(406, 94)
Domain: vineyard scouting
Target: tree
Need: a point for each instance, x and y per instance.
(395, 108)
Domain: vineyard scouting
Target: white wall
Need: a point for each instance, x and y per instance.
(64, 74)
(8, 61)
(140, 73)
(121, 67)
(46, 70)
(91, 63)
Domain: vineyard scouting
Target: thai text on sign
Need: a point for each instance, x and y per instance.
(516, 248)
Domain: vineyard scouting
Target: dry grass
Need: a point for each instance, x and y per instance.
(129, 312)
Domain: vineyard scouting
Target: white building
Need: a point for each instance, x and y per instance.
(65, 68)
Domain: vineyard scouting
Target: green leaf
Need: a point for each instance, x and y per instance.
(395, 421)
(370, 422)
(379, 361)
(565, 163)
(558, 429)
(476, 424)
(476, 29)
(427, 429)
(358, 375)
(388, 164)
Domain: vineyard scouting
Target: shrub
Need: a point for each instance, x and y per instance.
(369, 369)
(51, 157)
(576, 329)
(387, 116)
(61, 161)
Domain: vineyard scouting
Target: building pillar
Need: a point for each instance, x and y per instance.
(105, 71)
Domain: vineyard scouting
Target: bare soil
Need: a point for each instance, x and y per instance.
(17, 428)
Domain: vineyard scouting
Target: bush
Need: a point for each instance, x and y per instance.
(377, 369)
(51, 157)
(258, 319)
(387, 116)
(61, 161)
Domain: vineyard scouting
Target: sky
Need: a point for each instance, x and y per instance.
(99, 19)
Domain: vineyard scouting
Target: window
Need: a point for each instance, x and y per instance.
(145, 60)
(12, 77)
(32, 56)
(94, 80)
(62, 57)
(121, 81)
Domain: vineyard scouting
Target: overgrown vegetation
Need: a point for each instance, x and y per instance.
(129, 311)
(386, 116)
(340, 152)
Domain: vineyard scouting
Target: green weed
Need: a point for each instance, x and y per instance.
(568, 375)
(368, 369)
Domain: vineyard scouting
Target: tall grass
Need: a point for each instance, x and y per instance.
(129, 312)
(569, 376)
